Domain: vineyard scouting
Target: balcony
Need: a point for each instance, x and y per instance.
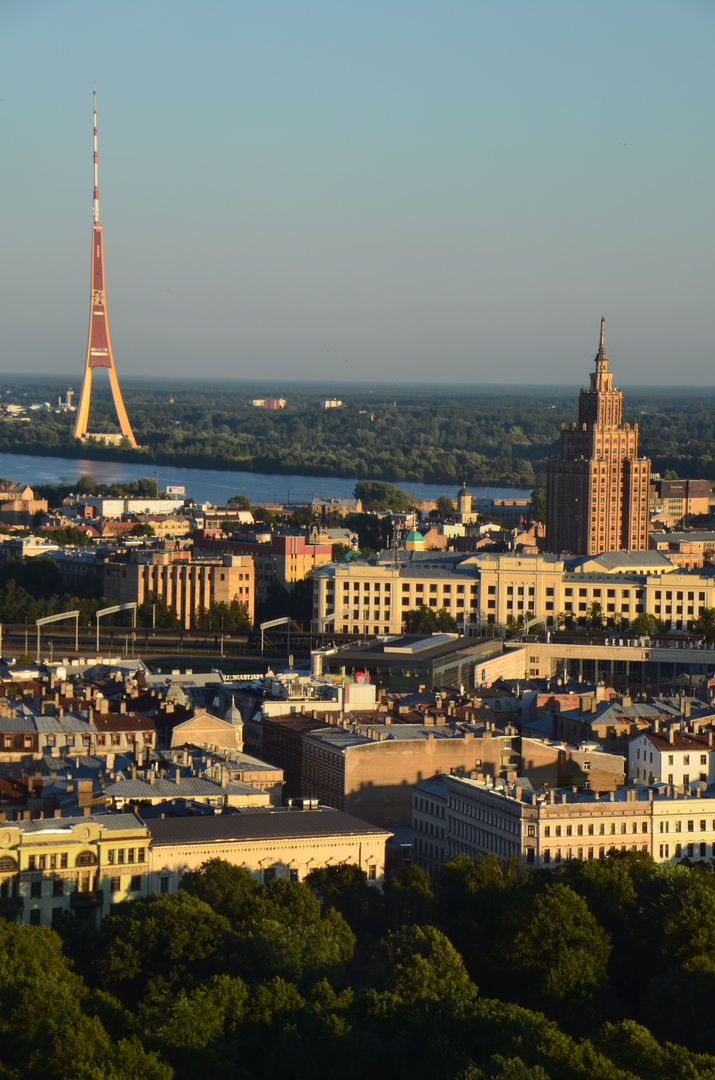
(87, 899)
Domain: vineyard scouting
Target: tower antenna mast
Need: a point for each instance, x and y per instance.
(96, 189)
(99, 347)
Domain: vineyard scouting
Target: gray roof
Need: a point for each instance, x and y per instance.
(435, 786)
(191, 787)
(259, 825)
(342, 738)
(118, 822)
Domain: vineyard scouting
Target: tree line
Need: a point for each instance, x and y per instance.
(480, 435)
(598, 970)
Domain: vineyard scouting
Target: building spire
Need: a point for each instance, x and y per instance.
(96, 190)
(602, 342)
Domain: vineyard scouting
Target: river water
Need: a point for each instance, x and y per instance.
(215, 485)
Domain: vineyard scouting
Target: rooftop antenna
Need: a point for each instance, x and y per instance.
(96, 189)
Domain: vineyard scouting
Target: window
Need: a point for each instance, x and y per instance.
(110, 856)
(294, 874)
(164, 885)
(115, 884)
(372, 873)
(269, 874)
(63, 861)
(136, 883)
(691, 826)
(35, 917)
(58, 887)
(140, 854)
(35, 890)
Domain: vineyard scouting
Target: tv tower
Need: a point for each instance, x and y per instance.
(99, 348)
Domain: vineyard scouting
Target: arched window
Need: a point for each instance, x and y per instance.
(7, 864)
(85, 858)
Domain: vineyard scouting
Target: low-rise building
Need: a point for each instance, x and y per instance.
(286, 843)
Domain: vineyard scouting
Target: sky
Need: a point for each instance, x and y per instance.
(377, 191)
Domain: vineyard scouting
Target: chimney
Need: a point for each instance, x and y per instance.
(177, 777)
(686, 709)
(86, 811)
(122, 708)
(611, 796)
(671, 734)
(152, 777)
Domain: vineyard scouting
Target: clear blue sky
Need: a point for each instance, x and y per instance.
(390, 190)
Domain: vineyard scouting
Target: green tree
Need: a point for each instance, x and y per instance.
(164, 941)
(338, 550)
(554, 946)
(228, 889)
(45, 1026)
(154, 611)
(418, 964)
(408, 897)
(537, 506)
(302, 518)
(376, 495)
(262, 513)
(240, 502)
(445, 506)
(425, 620)
(142, 529)
(646, 624)
(705, 624)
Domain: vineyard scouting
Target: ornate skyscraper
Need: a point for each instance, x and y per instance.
(99, 348)
(597, 491)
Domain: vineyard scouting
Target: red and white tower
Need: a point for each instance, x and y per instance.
(99, 347)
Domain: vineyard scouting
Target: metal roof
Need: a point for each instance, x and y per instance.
(113, 822)
(191, 787)
(259, 826)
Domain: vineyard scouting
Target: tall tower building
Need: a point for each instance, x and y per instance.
(597, 491)
(99, 348)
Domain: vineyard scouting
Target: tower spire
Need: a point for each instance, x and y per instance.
(96, 189)
(99, 347)
(602, 342)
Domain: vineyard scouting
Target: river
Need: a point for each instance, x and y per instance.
(215, 485)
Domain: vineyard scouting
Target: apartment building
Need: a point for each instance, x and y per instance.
(546, 828)
(185, 584)
(78, 865)
(675, 502)
(678, 758)
(278, 559)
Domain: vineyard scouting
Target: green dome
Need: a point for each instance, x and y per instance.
(348, 556)
(414, 536)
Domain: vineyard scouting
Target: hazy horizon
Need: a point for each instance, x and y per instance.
(400, 193)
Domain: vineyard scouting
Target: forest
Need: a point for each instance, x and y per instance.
(488, 435)
(600, 970)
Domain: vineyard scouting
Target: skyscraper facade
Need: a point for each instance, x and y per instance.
(597, 490)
